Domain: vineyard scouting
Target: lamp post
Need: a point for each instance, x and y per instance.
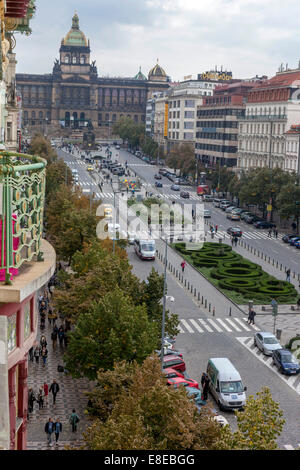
(114, 219)
(164, 307)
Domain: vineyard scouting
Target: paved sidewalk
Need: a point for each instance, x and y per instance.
(71, 395)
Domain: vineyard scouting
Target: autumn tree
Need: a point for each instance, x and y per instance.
(288, 202)
(115, 329)
(41, 146)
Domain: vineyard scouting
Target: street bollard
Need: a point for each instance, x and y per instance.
(273, 262)
(209, 307)
(188, 286)
(185, 283)
(191, 288)
(176, 272)
(199, 296)
(281, 267)
(294, 275)
(205, 304)
(202, 300)
(276, 264)
(230, 311)
(195, 293)
(214, 311)
(269, 260)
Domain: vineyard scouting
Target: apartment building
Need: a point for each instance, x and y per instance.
(292, 150)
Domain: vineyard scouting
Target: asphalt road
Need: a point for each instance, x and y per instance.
(198, 347)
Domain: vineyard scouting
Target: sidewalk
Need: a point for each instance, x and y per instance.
(71, 395)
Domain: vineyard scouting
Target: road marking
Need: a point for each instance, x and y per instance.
(205, 325)
(224, 325)
(248, 343)
(215, 325)
(185, 323)
(253, 326)
(232, 324)
(242, 325)
(290, 447)
(196, 325)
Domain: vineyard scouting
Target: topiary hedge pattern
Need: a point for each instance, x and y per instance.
(235, 273)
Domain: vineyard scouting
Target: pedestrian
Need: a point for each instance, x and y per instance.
(43, 341)
(232, 241)
(274, 230)
(54, 388)
(216, 229)
(276, 233)
(43, 319)
(203, 379)
(49, 429)
(40, 398)
(183, 266)
(294, 225)
(31, 400)
(37, 353)
(57, 429)
(66, 339)
(270, 233)
(251, 316)
(46, 392)
(54, 338)
(30, 352)
(288, 275)
(74, 420)
(61, 334)
(43, 307)
(235, 241)
(44, 355)
(40, 300)
(205, 388)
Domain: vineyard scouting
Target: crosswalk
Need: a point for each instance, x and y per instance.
(290, 447)
(292, 381)
(246, 235)
(215, 325)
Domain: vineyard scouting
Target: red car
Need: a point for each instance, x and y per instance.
(175, 362)
(177, 381)
(171, 373)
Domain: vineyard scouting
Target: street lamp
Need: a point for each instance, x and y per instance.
(115, 191)
(164, 307)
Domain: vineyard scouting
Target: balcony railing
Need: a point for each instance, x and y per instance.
(22, 196)
(263, 117)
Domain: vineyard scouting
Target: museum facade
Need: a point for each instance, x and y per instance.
(73, 94)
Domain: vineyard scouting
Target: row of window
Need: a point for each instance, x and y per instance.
(266, 111)
(186, 135)
(220, 112)
(216, 136)
(216, 148)
(262, 128)
(218, 124)
(261, 146)
(211, 160)
(75, 59)
(257, 163)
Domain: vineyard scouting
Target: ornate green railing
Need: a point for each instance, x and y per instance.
(22, 193)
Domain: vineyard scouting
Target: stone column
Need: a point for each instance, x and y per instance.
(22, 403)
(12, 405)
(4, 410)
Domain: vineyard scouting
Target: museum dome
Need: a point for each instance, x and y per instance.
(157, 71)
(75, 37)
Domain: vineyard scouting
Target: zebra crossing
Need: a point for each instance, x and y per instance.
(292, 381)
(216, 325)
(246, 235)
(290, 447)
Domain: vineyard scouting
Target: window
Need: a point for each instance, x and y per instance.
(9, 131)
(189, 103)
(27, 322)
(82, 59)
(11, 332)
(74, 60)
(189, 114)
(67, 59)
(188, 136)
(189, 125)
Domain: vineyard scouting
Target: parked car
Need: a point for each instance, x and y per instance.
(118, 147)
(224, 205)
(175, 362)
(158, 184)
(286, 362)
(266, 342)
(297, 244)
(244, 214)
(168, 352)
(185, 194)
(234, 231)
(206, 214)
(207, 198)
(157, 177)
(171, 373)
(229, 209)
(182, 381)
(250, 219)
(162, 171)
(263, 224)
(152, 162)
(286, 238)
(175, 187)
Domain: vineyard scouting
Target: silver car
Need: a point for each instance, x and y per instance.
(266, 342)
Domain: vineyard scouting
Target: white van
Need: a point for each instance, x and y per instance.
(226, 384)
(217, 202)
(145, 249)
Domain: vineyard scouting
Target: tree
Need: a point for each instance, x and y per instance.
(183, 159)
(258, 426)
(58, 173)
(115, 329)
(41, 146)
(288, 202)
(221, 178)
(127, 129)
(135, 410)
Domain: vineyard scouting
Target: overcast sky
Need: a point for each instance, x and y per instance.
(248, 37)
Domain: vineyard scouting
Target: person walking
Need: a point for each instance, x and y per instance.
(57, 429)
(43, 341)
(205, 388)
(54, 338)
(37, 353)
(270, 233)
(30, 352)
(54, 388)
(232, 241)
(40, 398)
(251, 316)
(31, 400)
(288, 275)
(44, 355)
(203, 376)
(49, 429)
(183, 266)
(61, 334)
(216, 229)
(74, 420)
(46, 392)
(276, 233)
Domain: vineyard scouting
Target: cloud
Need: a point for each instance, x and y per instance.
(248, 37)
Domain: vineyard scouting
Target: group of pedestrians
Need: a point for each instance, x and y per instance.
(274, 231)
(234, 241)
(213, 230)
(55, 427)
(42, 395)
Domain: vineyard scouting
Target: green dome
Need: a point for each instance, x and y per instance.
(75, 37)
(140, 76)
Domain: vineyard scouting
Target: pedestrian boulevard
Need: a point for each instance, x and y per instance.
(292, 381)
(216, 325)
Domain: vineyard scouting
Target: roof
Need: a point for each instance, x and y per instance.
(140, 76)
(225, 367)
(284, 79)
(75, 37)
(157, 71)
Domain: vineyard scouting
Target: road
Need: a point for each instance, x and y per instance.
(202, 336)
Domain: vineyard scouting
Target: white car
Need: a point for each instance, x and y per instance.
(206, 213)
(266, 342)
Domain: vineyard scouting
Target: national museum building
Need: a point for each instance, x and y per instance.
(74, 93)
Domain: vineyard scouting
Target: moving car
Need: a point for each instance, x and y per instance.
(226, 384)
(145, 249)
(185, 194)
(217, 202)
(263, 224)
(244, 214)
(182, 381)
(229, 209)
(234, 231)
(175, 187)
(233, 216)
(206, 214)
(90, 168)
(286, 362)
(250, 219)
(158, 184)
(118, 147)
(175, 362)
(207, 198)
(224, 205)
(157, 177)
(266, 342)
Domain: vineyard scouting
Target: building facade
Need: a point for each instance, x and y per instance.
(74, 94)
(292, 150)
(217, 125)
(272, 107)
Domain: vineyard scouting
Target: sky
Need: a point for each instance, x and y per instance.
(247, 37)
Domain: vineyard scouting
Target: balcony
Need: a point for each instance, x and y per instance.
(264, 117)
(22, 197)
